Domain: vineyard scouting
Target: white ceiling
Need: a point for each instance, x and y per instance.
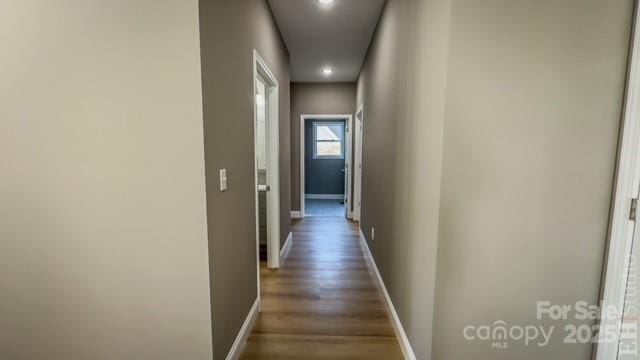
(335, 35)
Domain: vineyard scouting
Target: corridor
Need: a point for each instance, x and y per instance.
(319, 179)
(323, 302)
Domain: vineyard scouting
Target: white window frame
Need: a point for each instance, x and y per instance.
(342, 141)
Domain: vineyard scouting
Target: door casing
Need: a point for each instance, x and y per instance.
(349, 125)
(261, 71)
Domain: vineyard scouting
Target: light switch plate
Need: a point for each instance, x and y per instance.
(223, 180)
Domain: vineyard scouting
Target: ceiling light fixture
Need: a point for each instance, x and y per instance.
(327, 71)
(325, 2)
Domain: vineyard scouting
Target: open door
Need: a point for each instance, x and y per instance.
(357, 168)
(347, 168)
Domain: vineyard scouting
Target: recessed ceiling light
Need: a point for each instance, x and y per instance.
(325, 2)
(327, 71)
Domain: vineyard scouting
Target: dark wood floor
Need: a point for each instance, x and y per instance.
(323, 302)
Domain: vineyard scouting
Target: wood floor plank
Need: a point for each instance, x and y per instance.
(318, 347)
(323, 303)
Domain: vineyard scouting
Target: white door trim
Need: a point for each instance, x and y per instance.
(357, 163)
(621, 230)
(347, 154)
(261, 69)
(348, 171)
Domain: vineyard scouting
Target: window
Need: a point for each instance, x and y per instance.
(328, 138)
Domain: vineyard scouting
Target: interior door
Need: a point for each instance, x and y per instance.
(347, 191)
(357, 187)
(629, 348)
(262, 163)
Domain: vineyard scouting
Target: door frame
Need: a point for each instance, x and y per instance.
(347, 155)
(621, 230)
(261, 69)
(357, 159)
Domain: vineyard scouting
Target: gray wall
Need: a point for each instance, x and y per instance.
(403, 125)
(322, 176)
(529, 154)
(103, 238)
(319, 99)
(511, 183)
(230, 30)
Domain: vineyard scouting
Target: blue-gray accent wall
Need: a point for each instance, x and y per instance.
(322, 176)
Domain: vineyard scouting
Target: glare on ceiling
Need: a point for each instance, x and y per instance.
(325, 2)
(327, 71)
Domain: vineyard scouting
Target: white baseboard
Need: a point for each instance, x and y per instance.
(245, 330)
(324, 196)
(285, 248)
(405, 345)
(296, 214)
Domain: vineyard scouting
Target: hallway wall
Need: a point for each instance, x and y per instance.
(534, 96)
(505, 163)
(317, 99)
(402, 86)
(103, 237)
(230, 30)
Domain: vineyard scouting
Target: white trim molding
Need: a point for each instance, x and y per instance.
(245, 330)
(286, 247)
(295, 214)
(324, 196)
(357, 162)
(262, 72)
(349, 170)
(621, 236)
(405, 345)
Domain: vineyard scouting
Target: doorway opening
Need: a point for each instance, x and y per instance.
(325, 179)
(266, 140)
(358, 128)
